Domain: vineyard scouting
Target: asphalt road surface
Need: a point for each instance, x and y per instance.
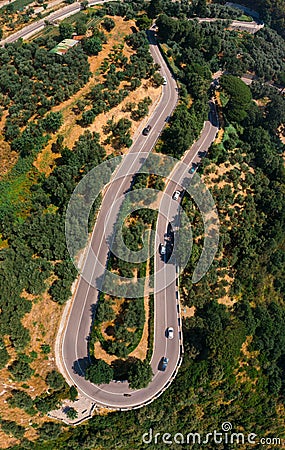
(74, 340)
(250, 27)
(166, 314)
(37, 26)
(66, 11)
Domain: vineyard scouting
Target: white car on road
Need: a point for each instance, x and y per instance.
(170, 333)
(162, 249)
(176, 195)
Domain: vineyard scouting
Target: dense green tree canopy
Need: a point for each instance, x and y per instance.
(239, 97)
(65, 30)
(99, 372)
(140, 374)
(92, 46)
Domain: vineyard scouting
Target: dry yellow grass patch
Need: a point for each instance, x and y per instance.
(3, 243)
(220, 136)
(280, 409)
(70, 129)
(45, 159)
(100, 353)
(226, 299)
(42, 314)
(242, 376)
(220, 116)
(190, 101)
(141, 351)
(262, 102)
(6, 387)
(116, 304)
(187, 311)
(104, 327)
(102, 411)
(7, 441)
(213, 179)
(218, 98)
(42, 322)
(145, 90)
(281, 133)
(7, 157)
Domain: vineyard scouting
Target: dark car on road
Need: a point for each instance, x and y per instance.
(193, 168)
(162, 249)
(146, 130)
(163, 363)
(170, 332)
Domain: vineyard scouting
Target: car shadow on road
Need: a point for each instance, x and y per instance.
(212, 116)
(80, 365)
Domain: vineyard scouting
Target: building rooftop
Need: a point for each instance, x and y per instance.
(64, 46)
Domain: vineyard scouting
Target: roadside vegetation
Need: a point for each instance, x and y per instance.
(272, 12)
(233, 366)
(36, 271)
(119, 322)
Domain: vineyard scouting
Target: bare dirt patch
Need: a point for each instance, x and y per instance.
(226, 299)
(45, 159)
(281, 133)
(8, 158)
(141, 351)
(241, 375)
(71, 129)
(100, 353)
(219, 179)
(220, 136)
(145, 90)
(187, 311)
(42, 322)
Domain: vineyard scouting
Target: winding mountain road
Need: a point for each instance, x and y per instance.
(69, 10)
(74, 341)
(73, 338)
(39, 25)
(74, 355)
